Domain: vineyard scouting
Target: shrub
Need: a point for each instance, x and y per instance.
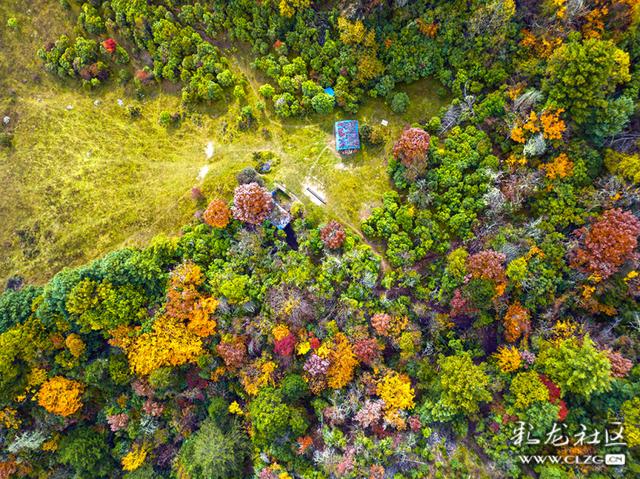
(400, 102)
(165, 119)
(239, 93)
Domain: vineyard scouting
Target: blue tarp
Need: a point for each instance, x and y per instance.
(347, 137)
(329, 91)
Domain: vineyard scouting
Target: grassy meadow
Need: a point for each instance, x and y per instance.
(83, 177)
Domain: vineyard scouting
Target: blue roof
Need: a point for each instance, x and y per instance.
(329, 91)
(347, 137)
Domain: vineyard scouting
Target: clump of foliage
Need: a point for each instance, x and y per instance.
(576, 366)
(212, 453)
(608, 243)
(333, 234)
(217, 214)
(252, 203)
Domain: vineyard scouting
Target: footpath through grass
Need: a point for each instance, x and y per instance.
(83, 177)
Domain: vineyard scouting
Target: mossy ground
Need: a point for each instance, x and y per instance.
(82, 179)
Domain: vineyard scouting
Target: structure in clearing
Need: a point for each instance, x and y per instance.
(347, 137)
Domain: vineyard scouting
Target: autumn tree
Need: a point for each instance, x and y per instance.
(396, 392)
(233, 352)
(625, 165)
(168, 343)
(487, 265)
(217, 214)
(289, 7)
(508, 359)
(607, 244)
(60, 396)
(252, 203)
(412, 147)
(342, 362)
(516, 322)
(527, 388)
(333, 234)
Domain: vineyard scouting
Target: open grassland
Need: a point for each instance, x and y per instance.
(83, 177)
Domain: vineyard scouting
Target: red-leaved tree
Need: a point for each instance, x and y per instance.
(109, 45)
(609, 242)
(333, 235)
(487, 265)
(412, 147)
(252, 203)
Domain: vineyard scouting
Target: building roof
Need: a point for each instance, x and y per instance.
(347, 137)
(279, 217)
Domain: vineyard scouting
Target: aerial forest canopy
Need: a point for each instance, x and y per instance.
(482, 312)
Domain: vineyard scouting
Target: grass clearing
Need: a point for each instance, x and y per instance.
(84, 178)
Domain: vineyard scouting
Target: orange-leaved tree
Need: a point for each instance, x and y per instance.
(60, 396)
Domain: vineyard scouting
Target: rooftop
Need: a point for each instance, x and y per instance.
(347, 137)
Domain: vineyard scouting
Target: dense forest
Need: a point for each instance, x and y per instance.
(485, 311)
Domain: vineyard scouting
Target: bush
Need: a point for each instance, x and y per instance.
(267, 91)
(239, 93)
(294, 387)
(6, 139)
(400, 102)
(165, 119)
(249, 175)
(322, 103)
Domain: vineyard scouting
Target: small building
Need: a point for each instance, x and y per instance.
(279, 217)
(347, 137)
